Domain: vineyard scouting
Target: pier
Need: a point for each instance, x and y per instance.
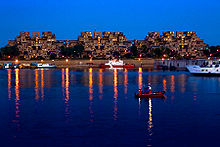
(178, 64)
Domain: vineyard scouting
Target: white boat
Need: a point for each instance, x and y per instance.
(46, 65)
(116, 64)
(9, 65)
(206, 70)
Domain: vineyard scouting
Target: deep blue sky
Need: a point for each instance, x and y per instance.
(67, 18)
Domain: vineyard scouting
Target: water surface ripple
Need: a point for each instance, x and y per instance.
(97, 107)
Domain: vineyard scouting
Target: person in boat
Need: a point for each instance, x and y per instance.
(149, 88)
(140, 91)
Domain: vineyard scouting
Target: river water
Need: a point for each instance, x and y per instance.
(97, 107)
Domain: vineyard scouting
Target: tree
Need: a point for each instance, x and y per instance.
(9, 51)
(157, 52)
(144, 49)
(214, 51)
(78, 49)
(134, 50)
(167, 51)
(116, 54)
(128, 55)
(75, 51)
(53, 56)
(67, 51)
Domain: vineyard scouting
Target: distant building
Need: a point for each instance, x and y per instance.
(35, 46)
(186, 43)
(106, 44)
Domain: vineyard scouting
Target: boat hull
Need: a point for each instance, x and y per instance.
(206, 74)
(117, 66)
(46, 67)
(152, 95)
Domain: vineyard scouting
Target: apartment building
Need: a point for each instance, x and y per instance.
(106, 44)
(185, 42)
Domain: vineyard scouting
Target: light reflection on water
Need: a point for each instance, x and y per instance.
(140, 81)
(9, 84)
(164, 85)
(67, 113)
(17, 99)
(42, 84)
(140, 86)
(36, 85)
(172, 88)
(150, 122)
(100, 84)
(126, 81)
(115, 115)
(63, 81)
(104, 93)
(91, 95)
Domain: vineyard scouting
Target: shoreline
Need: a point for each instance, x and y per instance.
(85, 63)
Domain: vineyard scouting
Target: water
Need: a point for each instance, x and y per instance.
(95, 107)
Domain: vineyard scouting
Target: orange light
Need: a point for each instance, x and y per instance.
(67, 60)
(16, 61)
(41, 60)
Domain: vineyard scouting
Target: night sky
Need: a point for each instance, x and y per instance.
(135, 18)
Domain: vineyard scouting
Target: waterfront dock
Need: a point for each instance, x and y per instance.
(145, 63)
(177, 64)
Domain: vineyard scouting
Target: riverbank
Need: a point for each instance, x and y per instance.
(148, 63)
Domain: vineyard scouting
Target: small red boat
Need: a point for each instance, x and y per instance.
(116, 64)
(159, 94)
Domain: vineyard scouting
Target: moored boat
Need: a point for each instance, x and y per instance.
(208, 70)
(116, 64)
(46, 65)
(9, 65)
